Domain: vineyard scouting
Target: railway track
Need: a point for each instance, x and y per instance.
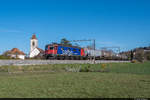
(41, 62)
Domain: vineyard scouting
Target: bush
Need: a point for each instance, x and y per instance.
(85, 69)
(94, 68)
(139, 56)
(133, 61)
(4, 57)
(147, 55)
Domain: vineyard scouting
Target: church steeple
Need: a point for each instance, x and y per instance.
(34, 50)
(33, 42)
(34, 36)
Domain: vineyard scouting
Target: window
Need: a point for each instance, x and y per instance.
(33, 43)
(51, 48)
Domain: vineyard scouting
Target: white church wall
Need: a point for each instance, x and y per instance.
(13, 56)
(21, 57)
(17, 56)
(34, 53)
(35, 42)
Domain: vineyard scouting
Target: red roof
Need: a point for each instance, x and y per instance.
(16, 51)
(41, 51)
(33, 36)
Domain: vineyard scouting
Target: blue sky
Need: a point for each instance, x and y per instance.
(124, 23)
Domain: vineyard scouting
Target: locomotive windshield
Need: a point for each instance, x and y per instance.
(46, 48)
(49, 48)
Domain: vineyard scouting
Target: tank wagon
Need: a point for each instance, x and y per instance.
(90, 53)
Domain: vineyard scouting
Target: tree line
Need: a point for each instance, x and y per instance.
(141, 54)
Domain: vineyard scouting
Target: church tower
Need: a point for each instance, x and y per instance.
(33, 43)
(34, 50)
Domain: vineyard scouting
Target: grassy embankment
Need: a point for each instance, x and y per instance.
(112, 80)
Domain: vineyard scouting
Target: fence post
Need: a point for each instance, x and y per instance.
(9, 69)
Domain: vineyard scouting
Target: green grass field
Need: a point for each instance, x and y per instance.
(120, 80)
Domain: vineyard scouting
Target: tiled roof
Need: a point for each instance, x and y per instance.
(33, 36)
(41, 51)
(16, 51)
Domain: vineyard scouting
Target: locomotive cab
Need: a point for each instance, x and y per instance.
(50, 51)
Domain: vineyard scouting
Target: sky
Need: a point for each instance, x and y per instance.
(124, 23)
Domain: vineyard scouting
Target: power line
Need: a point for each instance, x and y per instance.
(87, 40)
(112, 47)
(81, 40)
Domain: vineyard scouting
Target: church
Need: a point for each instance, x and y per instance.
(35, 52)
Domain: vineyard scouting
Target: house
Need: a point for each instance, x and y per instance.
(107, 53)
(35, 52)
(15, 53)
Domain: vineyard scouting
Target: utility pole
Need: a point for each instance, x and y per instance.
(94, 49)
(94, 46)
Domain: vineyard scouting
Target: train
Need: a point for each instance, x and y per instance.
(60, 51)
(66, 52)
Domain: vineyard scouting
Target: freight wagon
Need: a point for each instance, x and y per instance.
(93, 53)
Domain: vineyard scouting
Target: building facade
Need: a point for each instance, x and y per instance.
(16, 54)
(34, 50)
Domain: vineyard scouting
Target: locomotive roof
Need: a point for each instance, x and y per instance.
(62, 45)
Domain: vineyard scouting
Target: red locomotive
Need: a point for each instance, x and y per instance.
(59, 51)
